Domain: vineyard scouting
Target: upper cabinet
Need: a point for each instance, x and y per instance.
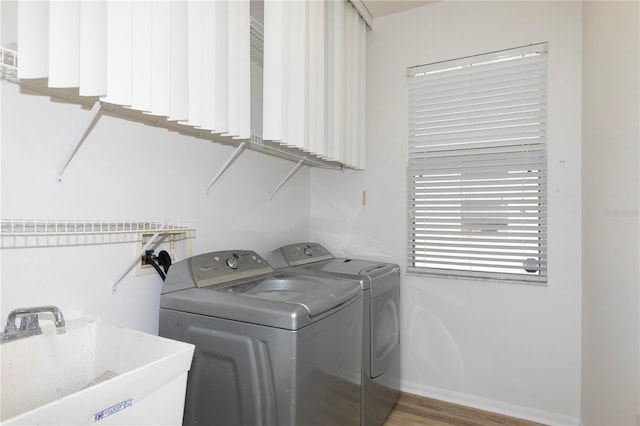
(285, 77)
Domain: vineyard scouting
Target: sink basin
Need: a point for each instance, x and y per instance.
(93, 373)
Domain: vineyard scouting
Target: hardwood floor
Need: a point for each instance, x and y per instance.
(417, 410)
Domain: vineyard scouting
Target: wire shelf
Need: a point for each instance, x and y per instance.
(25, 227)
(257, 42)
(27, 233)
(256, 143)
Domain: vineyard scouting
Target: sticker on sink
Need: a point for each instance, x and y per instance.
(112, 410)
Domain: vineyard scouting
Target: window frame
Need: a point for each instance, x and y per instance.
(499, 251)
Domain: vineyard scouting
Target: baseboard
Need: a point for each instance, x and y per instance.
(494, 406)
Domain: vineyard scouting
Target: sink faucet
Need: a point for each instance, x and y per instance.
(29, 324)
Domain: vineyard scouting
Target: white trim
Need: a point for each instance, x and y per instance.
(500, 407)
(364, 12)
(530, 50)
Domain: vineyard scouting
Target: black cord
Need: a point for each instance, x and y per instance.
(151, 262)
(164, 259)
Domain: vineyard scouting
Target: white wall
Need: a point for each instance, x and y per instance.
(126, 170)
(611, 213)
(508, 348)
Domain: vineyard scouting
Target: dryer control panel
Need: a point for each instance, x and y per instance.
(220, 267)
(298, 254)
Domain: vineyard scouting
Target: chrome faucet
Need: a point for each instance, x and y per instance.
(29, 323)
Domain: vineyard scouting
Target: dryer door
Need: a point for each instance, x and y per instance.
(385, 330)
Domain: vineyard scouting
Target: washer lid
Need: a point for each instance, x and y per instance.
(283, 300)
(314, 257)
(348, 266)
(362, 271)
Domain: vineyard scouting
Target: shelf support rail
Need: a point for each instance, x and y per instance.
(74, 148)
(114, 287)
(231, 159)
(291, 173)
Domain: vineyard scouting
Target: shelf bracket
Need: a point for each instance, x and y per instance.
(81, 137)
(231, 159)
(154, 237)
(291, 173)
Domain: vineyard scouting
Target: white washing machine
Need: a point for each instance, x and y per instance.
(272, 348)
(380, 285)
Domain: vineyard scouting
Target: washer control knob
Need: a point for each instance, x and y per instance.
(232, 263)
(307, 251)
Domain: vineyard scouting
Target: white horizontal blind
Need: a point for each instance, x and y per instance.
(477, 166)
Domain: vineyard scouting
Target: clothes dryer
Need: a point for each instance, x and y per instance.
(380, 285)
(272, 348)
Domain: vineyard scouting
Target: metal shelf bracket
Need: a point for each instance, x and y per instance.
(81, 137)
(291, 173)
(231, 159)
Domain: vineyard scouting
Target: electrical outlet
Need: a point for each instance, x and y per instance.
(176, 243)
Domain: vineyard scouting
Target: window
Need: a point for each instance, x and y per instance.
(477, 169)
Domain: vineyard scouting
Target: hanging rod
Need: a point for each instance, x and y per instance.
(226, 165)
(291, 173)
(81, 137)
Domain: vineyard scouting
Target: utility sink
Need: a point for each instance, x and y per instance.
(93, 373)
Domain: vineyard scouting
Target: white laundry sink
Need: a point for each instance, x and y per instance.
(93, 373)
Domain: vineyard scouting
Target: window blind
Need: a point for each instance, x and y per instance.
(477, 167)
(184, 61)
(314, 60)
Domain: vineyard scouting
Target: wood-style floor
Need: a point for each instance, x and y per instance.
(417, 410)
